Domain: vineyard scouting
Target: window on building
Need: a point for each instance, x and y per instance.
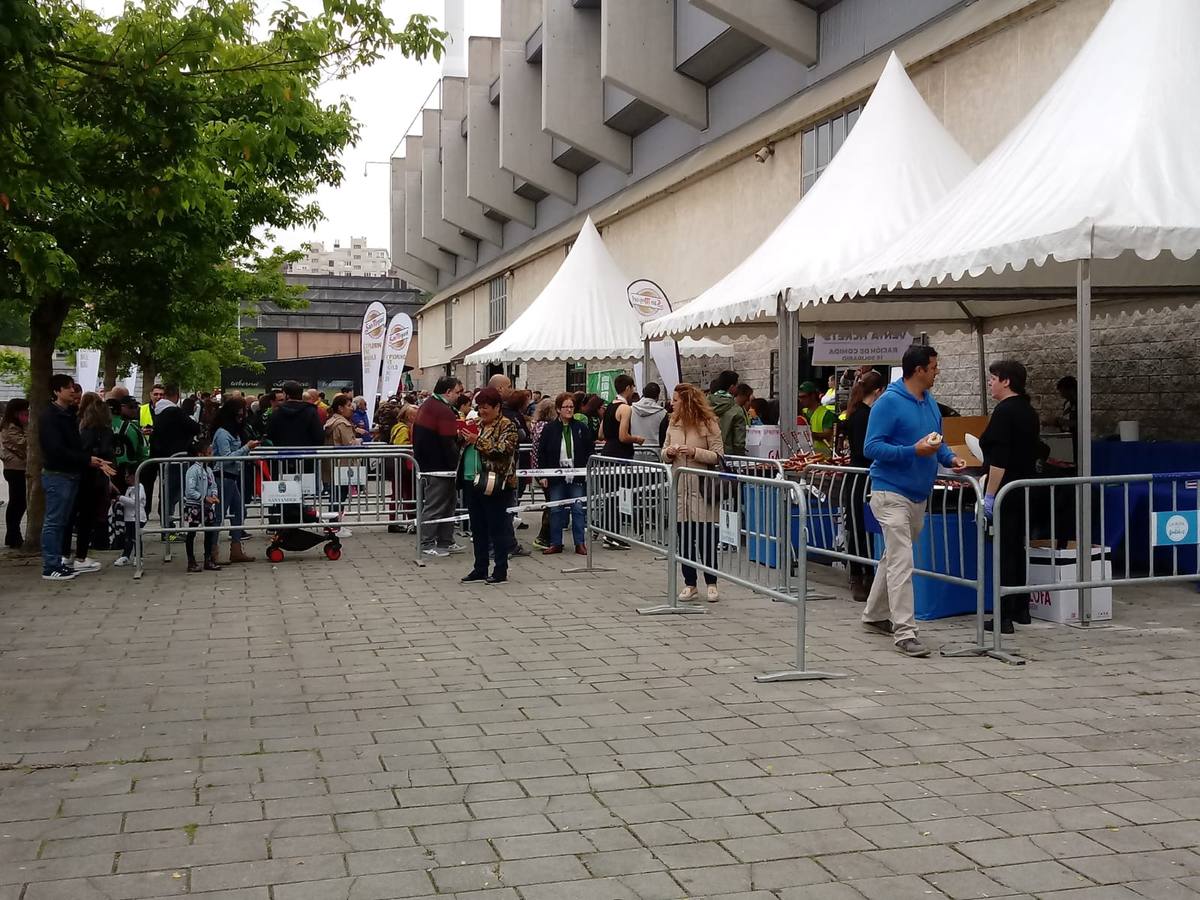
(576, 377)
(448, 310)
(774, 371)
(820, 144)
(497, 305)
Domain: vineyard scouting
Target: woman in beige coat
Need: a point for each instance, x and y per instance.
(693, 441)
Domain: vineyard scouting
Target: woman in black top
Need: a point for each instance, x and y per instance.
(1010, 446)
(858, 543)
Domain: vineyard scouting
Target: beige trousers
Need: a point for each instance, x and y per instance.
(892, 591)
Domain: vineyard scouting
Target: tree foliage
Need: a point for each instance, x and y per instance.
(142, 156)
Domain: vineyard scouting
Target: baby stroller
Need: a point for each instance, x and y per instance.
(292, 504)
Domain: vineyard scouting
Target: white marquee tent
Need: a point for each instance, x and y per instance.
(582, 314)
(896, 164)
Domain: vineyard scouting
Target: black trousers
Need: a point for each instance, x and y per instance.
(854, 503)
(93, 488)
(698, 541)
(1012, 555)
(17, 498)
(491, 526)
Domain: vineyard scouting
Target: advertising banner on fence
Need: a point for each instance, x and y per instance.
(87, 369)
(649, 302)
(395, 351)
(873, 348)
(374, 328)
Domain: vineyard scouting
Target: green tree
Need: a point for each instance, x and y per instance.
(143, 154)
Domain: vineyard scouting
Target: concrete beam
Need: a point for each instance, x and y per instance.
(487, 183)
(525, 149)
(457, 208)
(637, 55)
(433, 226)
(414, 243)
(416, 271)
(572, 90)
(784, 25)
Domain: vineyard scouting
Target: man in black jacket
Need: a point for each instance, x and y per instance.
(63, 460)
(295, 423)
(174, 432)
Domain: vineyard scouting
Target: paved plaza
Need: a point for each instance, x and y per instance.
(367, 730)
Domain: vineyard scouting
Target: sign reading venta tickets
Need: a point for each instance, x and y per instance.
(374, 327)
(873, 348)
(1177, 529)
(649, 302)
(395, 351)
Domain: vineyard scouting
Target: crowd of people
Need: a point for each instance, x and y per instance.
(481, 450)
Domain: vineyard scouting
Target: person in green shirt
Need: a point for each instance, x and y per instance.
(821, 419)
(131, 445)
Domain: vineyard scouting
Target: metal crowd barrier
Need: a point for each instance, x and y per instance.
(953, 532)
(1153, 518)
(322, 491)
(627, 500)
(738, 528)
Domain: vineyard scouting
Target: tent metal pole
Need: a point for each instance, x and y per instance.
(1083, 459)
(983, 374)
(788, 323)
(646, 379)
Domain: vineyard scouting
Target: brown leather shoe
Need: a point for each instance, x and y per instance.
(237, 554)
(581, 549)
(552, 549)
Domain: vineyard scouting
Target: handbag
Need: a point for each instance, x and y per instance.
(710, 488)
(486, 482)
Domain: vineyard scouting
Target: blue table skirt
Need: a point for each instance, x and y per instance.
(1136, 457)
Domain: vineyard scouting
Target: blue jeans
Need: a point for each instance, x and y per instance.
(560, 490)
(60, 491)
(234, 510)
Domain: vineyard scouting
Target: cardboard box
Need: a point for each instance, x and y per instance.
(1047, 566)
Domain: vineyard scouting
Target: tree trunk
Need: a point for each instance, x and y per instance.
(45, 323)
(148, 369)
(111, 369)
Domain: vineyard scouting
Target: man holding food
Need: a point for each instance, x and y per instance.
(904, 440)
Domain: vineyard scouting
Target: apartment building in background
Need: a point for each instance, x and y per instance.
(355, 259)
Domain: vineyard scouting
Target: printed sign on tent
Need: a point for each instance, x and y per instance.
(395, 351)
(882, 348)
(602, 383)
(374, 328)
(87, 369)
(649, 302)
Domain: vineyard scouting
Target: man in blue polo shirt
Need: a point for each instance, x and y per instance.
(904, 440)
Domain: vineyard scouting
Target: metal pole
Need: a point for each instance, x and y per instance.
(1083, 534)
(789, 326)
(983, 374)
(646, 379)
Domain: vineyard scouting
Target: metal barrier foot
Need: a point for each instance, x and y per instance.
(667, 609)
(797, 675)
(817, 595)
(973, 650)
(1088, 626)
(576, 570)
(1005, 657)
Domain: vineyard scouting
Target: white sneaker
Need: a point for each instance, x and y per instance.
(455, 548)
(68, 563)
(435, 551)
(343, 531)
(121, 561)
(86, 565)
(688, 593)
(713, 595)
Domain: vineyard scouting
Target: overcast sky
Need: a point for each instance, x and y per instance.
(385, 99)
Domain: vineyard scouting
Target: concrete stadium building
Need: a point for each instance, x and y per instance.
(688, 129)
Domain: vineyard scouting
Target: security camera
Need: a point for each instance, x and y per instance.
(762, 154)
(509, 274)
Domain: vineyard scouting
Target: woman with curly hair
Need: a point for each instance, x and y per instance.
(693, 441)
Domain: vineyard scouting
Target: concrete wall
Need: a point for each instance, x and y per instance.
(457, 208)
(486, 182)
(417, 271)
(637, 53)
(572, 91)
(690, 239)
(526, 150)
